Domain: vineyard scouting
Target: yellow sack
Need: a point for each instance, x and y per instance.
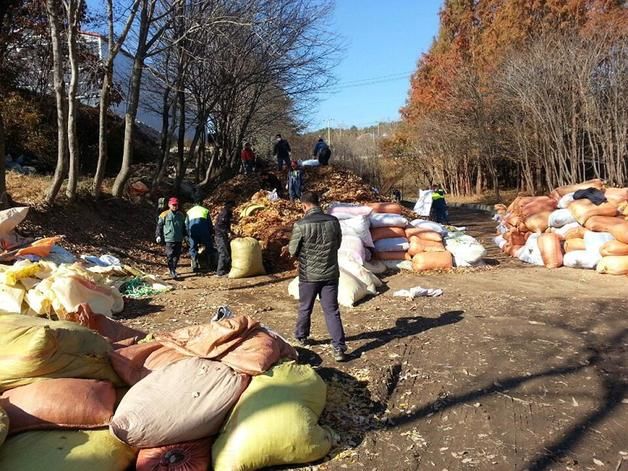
(275, 422)
(4, 426)
(32, 348)
(19, 270)
(63, 450)
(246, 258)
(250, 209)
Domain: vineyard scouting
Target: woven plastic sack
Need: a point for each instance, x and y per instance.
(551, 250)
(426, 226)
(383, 219)
(275, 422)
(613, 247)
(620, 232)
(352, 247)
(603, 223)
(432, 261)
(583, 209)
(530, 253)
(613, 265)
(595, 183)
(574, 244)
(560, 218)
(385, 207)
(65, 450)
(184, 401)
(358, 226)
(246, 258)
(430, 236)
(593, 241)
(10, 218)
(350, 288)
(59, 403)
(538, 222)
(187, 456)
(392, 244)
(564, 201)
(375, 266)
(467, 251)
(346, 211)
(135, 362)
(362, 274)
(581, 259)
(616, 196)
(387, 232)
(4, 426)
(32, 348)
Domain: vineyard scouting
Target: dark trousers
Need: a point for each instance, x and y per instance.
(195, 243)
(224, 254)
(173, 252)
(328, 292)
(283, 160)
(294, 193)
(248, 166)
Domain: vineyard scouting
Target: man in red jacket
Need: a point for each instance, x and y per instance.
(248, 158)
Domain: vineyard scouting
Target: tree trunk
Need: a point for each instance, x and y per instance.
(4, 198)
(181, 139)
(72, 16)
(103, 155)
(52, 8)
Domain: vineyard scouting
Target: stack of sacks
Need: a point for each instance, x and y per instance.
(388, 230)
(578, 226)
(356, 281)
(426, 246)
(56, 375)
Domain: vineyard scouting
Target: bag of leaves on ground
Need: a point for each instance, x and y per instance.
(357, 226)
(246, 258)
(613, 265)
(385, 207)
(551, 250)
(135, 362)
(581, 259)
(187, 456)
(184, 401)
(613, 247)
(350, 288)
(361, 273)
(65, 450)
(59, 403)
(467, 251)
(424, 261)
(275, 422)
(33, 348)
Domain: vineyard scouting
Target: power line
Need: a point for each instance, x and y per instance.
(398, 74)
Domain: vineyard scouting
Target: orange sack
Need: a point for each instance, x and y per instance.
(538, 222)
(572, 245)
(59, 403)
(379, 233)
(538, 204)
(595, 183)
(613, 247)
(602, 223)
(415, 231)
(620, 232)
(613, 265)
(187, 456)
(551, 251)
(583, 209)
(616, 196)
(432, 261)
(395, 255)
(430, 235)
(576, 233)
(384, 207)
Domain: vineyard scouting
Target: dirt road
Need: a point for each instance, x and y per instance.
(514, 367)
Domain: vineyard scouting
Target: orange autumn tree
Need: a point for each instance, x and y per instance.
(469, 122)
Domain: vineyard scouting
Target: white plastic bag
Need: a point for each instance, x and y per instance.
(347, 210)
(560, 218)
(358, 226)
(10, 218)
(466, 250)
(581, 259)
(310, 163)
(530, 253)
(392, 244)
(361, 273)
(594, 240)
(387, 220)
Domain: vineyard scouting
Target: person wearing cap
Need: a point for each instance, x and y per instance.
(200, 232)
(171, 230)
(295, 181)
(282, 151)
(223, 232)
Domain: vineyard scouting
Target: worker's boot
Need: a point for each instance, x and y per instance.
(195, 265)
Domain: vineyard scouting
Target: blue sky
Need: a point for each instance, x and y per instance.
(384, 41)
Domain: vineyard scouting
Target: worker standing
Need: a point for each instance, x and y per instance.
(171, 230)
(315, 241)
(201, 232)
(248, 158)
(295, 181)
(223, 234)
(322, 152)
(439, 205)
(282, 151)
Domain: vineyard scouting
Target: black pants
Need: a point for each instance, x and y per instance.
(224, 254)
(328, 291)
(281, 160)
(173, 252)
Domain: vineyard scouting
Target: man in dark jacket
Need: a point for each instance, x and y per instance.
(281, 151)
(322, 152)
(171, 230)
(315, 241)
(223, 232)
(201, 232)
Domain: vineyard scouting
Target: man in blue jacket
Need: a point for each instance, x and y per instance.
(171, 230)
(201, 232)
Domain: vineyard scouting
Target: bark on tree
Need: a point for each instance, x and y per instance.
(72, 8)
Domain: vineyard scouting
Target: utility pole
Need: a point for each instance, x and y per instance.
(328, 131)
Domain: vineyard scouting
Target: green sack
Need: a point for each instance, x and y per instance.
(275, 422)
(64, 450)
(4, 425)
(246, 258)
(32, 348)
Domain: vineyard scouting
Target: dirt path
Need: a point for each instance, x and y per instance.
(514, 367)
